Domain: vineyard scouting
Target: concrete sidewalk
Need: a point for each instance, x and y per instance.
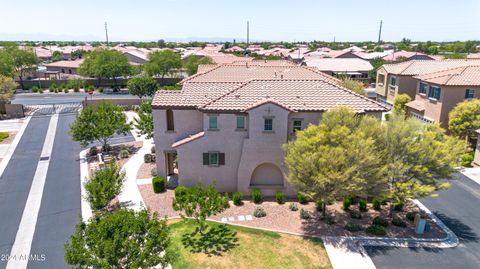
(344, 253)
(472, 173)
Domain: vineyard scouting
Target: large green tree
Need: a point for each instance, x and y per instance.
(105, 184)
(105, 63)
(142, 86)
(15, 61)
(464, 119)
(144, 121)
(99, 123)
(191, 66)
(161, 63)
(338, 157)
(122, 239)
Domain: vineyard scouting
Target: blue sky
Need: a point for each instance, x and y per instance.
(294, 20)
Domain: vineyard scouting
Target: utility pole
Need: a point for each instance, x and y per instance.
(248, 33)
(380, 32)
(106, 32)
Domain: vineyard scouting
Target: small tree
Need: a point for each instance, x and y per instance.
(191, 66)
(142, 86)
(99, 124)
(162, 63)
(144, 121)
(199, 203)
(399, 103)
(122, 239)
(105, 185)
(19, 62)
(464, 119)
(353, 85)
(7, 88)
(57, 56)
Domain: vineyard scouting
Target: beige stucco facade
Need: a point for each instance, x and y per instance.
(386, 91)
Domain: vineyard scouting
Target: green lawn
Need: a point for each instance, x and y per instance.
(3, 136)
(238, 247)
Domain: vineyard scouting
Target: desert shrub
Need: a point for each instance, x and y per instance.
(467, 159)
(398, 207)
(376, 230)
(62, 86)
(226, 199)
(35, 88)
(377, 204)
(411, 216)
(124, 153)
(319, 205)
(347, 202)
(256, 196)
(147, 158)
(351, 227)
(280, 197)
(57, 91)
(158, 184)
(237, 198)
(106, 148)
(259, 212)
(380, 221)
(328, 220)
(93, 151)
(362, 205)
(293, 206)
(355, 214)
(180, 192)
(52, 87)
(90, 87)
(105, 184)
(399, 222)
(152, 150)
(65, 90)
(153, 172)
(304, 214)
(302, 198)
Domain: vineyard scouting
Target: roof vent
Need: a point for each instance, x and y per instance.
(298, 96)
(237, 96)
(281, 76)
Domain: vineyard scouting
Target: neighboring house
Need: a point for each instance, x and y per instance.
(64, 67)
(407, 55)
(351, 67)
(439, 92)
(393, 79)
(227, 125)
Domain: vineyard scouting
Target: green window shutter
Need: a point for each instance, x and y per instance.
(205, 159)
(221, 157)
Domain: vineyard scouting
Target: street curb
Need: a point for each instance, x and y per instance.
(85, 206)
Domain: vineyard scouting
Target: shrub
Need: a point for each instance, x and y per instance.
(280, 197)
(65, 90)
(35, 88)
(226, 199)
(259, 212)
(347, 202)
(180, 192)
(376, 230)
(399, 222)
(100, 89)
(304, 214)
(355, 214)
(93, 151)
(52, 87)
(237, 198)
(105, 184)
(158, 184)
(302, 198)
(411, 216)
(380, 221)
(106, 148)
(56, 91)
(256, 196)
(328, 220)
(398, 207)
(293, 206)
(377, 204)
(124, 153)
(152, 150)
(362, 205)
(319, 205)
(147, 158)
(62, 86)
(90, 87)
(467, 159)
(351, 227)
(153, 172)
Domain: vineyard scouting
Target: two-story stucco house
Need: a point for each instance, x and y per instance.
(228, 123)
(394, 79)
(439, 92)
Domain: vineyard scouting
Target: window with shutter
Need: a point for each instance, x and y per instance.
(221, 159)
(205, 159)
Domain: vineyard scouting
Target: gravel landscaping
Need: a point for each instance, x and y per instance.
(280, 217)
(145, 170)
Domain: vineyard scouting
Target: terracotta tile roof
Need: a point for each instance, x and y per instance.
(293, 94)
(340, 64)
(460, 76)
(188, 139)
(420, 67)
(404, 54)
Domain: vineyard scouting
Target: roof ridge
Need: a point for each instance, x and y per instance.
(198, 74)
(223, 95)
(463, 68)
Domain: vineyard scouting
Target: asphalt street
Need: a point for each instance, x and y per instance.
(459, 208)
(51, 98)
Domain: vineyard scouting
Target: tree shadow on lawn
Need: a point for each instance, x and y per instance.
(214, 241)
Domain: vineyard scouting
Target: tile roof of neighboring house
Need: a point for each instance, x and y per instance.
(205, 67)
(340, 64)
(374, 55)
(188, 139)
(66, 64)
(293, 94)
(235, 49)
(354, 49)
(403, 54)
(420, 67)
(460, 76)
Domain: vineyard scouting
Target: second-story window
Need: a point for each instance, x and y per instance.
(240, 122)
(422, 89)
(212, 122)
(469, 94)
(297, 125)
(393, 81)
(268, 124)
(434, 92)
(170, 125)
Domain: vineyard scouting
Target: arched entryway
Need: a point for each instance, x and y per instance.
(266, 174)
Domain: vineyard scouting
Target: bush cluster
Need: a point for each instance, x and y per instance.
(280, 197)
(380, 221)
(411, 216)
(304, 214)
(399, 222)
(237, 198)
(124, 153)
(328, 220)
(302, 198)
(355, 214)
(362, 205)
(347, 202)
(376, 230)
(351, 227)
(398, 207)
(293, 206)
(256, 196)
(93, 151)
(377, 204)
(158, 184)
(259, 212)
(319, 205)
(149, 158)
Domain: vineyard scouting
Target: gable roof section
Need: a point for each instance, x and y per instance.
(420, 67)
(340, 64)
(460, 76)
